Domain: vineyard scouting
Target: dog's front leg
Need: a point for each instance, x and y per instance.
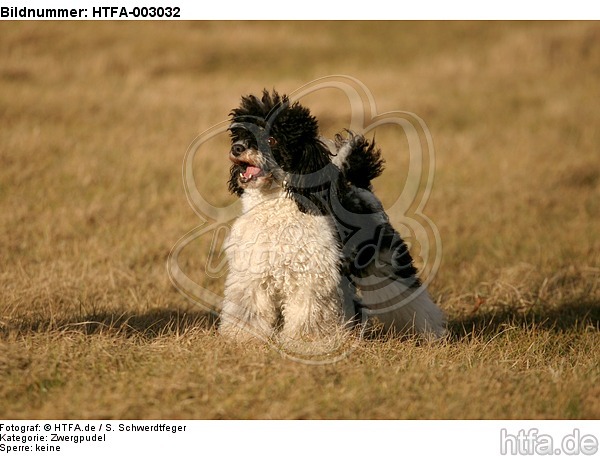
(248, 313)
(311, 311)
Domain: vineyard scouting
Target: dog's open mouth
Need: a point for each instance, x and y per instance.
(249, 171)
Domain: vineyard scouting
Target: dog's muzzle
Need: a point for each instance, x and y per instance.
(247, 160)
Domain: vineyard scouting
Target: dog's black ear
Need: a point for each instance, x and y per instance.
(309, 183)
(305, 161)
(293, 125)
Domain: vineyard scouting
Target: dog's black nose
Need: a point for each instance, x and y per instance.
(237, 149)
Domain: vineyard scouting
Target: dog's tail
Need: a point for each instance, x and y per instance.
(402, 310)
(358, 158)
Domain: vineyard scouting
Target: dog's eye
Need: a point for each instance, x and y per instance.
(271, 141)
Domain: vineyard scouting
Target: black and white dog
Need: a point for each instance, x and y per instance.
(314, 250)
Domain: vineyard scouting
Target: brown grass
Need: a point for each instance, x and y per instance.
(96, 119)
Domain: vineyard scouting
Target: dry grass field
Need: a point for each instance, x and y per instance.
(95, 121)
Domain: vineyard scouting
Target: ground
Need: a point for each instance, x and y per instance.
(96, 120)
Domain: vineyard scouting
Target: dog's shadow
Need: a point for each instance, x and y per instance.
(154, 323)
(151, 324)
(573, 317)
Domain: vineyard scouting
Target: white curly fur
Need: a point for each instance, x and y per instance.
(283, 271)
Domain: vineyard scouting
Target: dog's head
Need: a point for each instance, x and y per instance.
(275, 143)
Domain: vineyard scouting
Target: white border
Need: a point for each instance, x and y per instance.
(347, 438)
(336, 10)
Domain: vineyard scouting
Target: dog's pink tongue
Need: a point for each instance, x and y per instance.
(251, 171)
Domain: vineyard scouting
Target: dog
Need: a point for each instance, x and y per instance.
(313, 250)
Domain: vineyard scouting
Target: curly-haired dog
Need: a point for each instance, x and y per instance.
(313, 250)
